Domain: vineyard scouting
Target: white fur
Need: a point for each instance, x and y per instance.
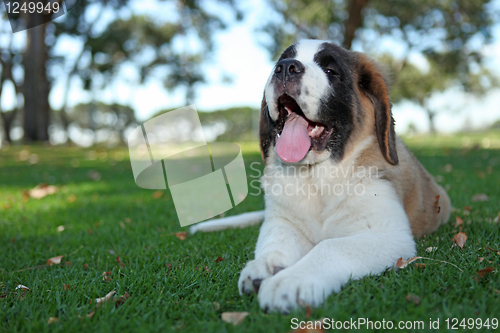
(322, 239)
(238, 221)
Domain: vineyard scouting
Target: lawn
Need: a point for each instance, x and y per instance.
(115, 236)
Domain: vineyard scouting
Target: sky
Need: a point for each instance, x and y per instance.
(239, 55)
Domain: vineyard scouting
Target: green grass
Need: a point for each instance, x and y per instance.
(176, 284)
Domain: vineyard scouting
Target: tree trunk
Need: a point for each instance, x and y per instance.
(432, 125)
(36, 85)
(354, 21)
(8, 119)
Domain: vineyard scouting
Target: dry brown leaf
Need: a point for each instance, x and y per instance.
(119, 261)
(413, 298)
(106, 276)
(67, 286)
(105, 298)
(85, 266)
(20, 286)
(468, 208)
(157, 194)
(54, 260)
(94, 175)
(42, 190)
(491, 249)
(219, 259)
(480, 259)
(234, 318)
(481, 273)
(67, 263)
(401, 263)
(122, 299)
(52, 320)
(458, 222)
(460, 239)
(181, 235)
(480, 197)
(419, 265)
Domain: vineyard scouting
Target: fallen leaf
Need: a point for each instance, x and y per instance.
(106, 276)
(52, 320)
(85, 266)
(413, 298)
(490, 249)
(458, 222)
(122, 299)
(181, 235)
(119, 261)
(234, 318)
(54, 260)
(480, 259)
(67, 263)
(94, 175)
(419, 265)
(460, 239)
(219, 259)
(67, 286)
(431, 249)
(89, 315)
(401, 263)
(105, 298)
(497, 218)
(20, 286)
(111, 252)
(480, 197)
(481, 273)
(42, 190)
(157, 194)
(469, 208)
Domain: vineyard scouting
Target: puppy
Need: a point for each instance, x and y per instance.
(344, 196)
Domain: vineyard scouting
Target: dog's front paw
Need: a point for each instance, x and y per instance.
(288, 290)
(257, 270)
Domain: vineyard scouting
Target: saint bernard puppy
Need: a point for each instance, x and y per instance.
(344, 196)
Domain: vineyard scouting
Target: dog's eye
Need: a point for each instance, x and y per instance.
(330, 71)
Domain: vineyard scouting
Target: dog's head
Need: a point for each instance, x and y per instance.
(320, 99)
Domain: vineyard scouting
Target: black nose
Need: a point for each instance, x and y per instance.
(289, 68)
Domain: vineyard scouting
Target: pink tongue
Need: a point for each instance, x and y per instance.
(294, 142)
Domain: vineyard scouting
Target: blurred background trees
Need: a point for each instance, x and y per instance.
(111, 37)
(447, 36)
(428, 46)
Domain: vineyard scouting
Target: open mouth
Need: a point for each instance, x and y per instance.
(297, 135)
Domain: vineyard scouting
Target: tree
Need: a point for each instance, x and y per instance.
(449, 34)
(108, 43)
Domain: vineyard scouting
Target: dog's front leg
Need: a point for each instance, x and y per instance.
(330, 265)
(280, 245)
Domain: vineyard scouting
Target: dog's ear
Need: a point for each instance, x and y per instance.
(373, 83)
(264, 129)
